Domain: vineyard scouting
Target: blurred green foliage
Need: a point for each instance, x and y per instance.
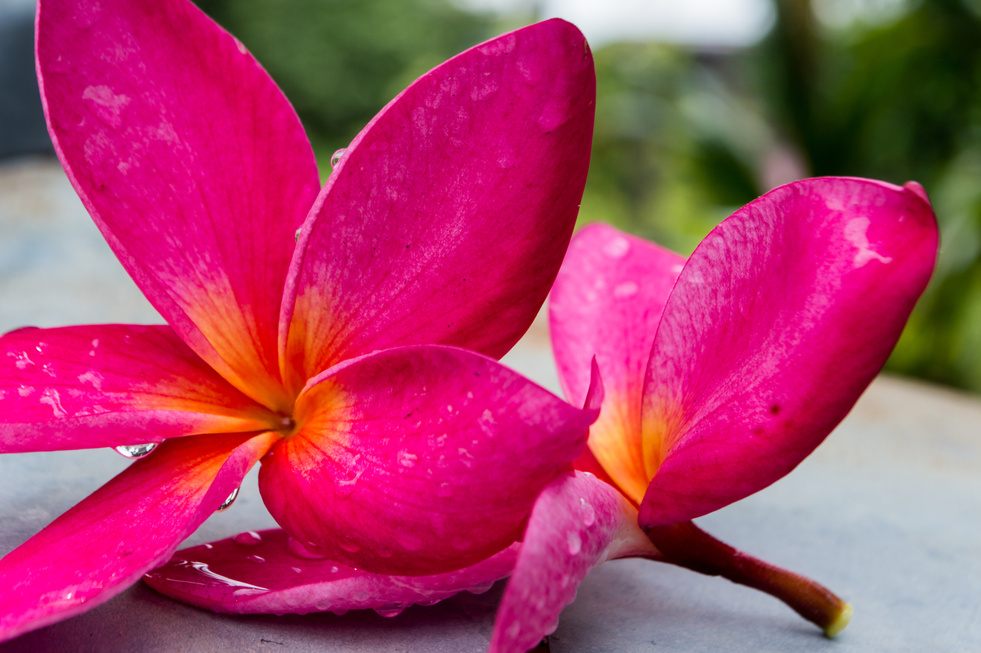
(684, 137)
(340, 61)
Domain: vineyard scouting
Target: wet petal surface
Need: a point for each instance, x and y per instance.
(108, 385)
(130, 525)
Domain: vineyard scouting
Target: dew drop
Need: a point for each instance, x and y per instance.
(390, 610)
(227, 503)
(626, 289)
(258, 559)
(248, 538)
(296, 548)
(575, 543)
(481, 588)
(587, 512)
(349, 546)
(135, 450)
(617, 248)
(335, 158)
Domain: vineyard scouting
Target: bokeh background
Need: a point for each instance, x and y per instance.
(702, 106)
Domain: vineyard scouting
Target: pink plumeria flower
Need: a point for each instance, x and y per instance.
(319, 331)
(721, 374)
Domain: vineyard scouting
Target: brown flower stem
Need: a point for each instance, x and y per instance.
(686, 545)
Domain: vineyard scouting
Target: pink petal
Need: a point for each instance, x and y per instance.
(448, 216)
(108, 385)
(190, 161)
(578, 522)
(130, 525)
(418, 460)
(607, 302)
(269, 572)
(780, 319)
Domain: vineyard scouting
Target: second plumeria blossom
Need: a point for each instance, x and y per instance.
(319, 331)
(722, 372)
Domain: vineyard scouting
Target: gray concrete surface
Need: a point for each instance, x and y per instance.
(887, 512)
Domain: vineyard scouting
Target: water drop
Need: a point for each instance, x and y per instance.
(135, 450)
(259, 559)
(390, 610)
(575, 543)
(617, 248)
(229, 501)
(626, 289)
(481, 588)
(587, 512)
(349, 546)
(335, 158)
(248, 538)
(296, 548)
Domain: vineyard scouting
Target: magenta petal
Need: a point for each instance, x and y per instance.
(607, 302)
(128, 526)
(418, 460)
(269, 572)
(578, 522)
(778, 322)
(108, 385)
(191, 162)
(468, 184)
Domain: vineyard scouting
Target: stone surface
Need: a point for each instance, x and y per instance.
(885, 512)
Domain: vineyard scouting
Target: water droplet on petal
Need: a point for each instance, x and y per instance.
(481, 588)
(587, 512)
(255, 558)
(575, 543)
(617, 248)
(227, 503)
(350, 546)
(248, 538)
(296, 548)
(390, 610)
(335, 158)
(625, 289)
(135, 450)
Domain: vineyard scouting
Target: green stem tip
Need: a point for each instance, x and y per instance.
(686, 545)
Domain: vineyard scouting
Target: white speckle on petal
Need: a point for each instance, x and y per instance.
(93, 378)
(856, 232)
(53, 399)
(106, 105)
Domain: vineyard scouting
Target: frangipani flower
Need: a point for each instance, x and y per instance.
(721, 374)
(319, 332)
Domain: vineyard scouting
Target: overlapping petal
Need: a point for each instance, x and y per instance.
(130, 525)
(607, 302)
(578, 523)
(468, 184)
(418, 460)
(191, 162)
(109, 385)
(269, 572)
(778, 322)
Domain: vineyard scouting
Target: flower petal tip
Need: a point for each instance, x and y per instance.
(595, 394)
(918, 190)
(845, 616)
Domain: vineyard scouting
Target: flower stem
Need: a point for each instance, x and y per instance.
(686, 545)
